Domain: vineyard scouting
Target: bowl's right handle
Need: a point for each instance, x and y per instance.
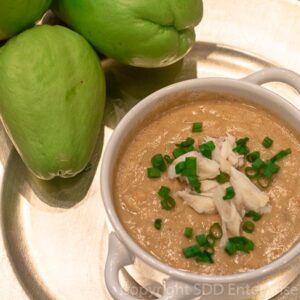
(119, 257)
(275, 75)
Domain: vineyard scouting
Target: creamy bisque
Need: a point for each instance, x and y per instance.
(138, 204)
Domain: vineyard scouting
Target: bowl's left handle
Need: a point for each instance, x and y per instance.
(275, 75)
(119, 257)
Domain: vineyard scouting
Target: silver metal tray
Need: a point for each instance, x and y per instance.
(53, 240)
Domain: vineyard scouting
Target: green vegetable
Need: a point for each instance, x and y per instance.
(267, 142)
(251, 157)
(153, 173)
(254, 215)
(229, 193)
(270, 169)
(167, 201)
(141, 33)
(201, 239)
(257, 164)
(164, 191)
(222, 178)
(281, 154)
(205, 257)
(52, 96)
(194, 183)
(16, 15)
(263, 181)
(188, 232)
(191, 251)
(158, 162)
(178, 152)
(239, 243)
(180, 167)
(251, 172)
(206, 149)
(157, 224)
(168, 159)
(190, 168)
(241, 146)
(216, 231)
(187, 143)
(197, 127)
(248, 226)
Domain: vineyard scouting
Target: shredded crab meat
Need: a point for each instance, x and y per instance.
(206, 168)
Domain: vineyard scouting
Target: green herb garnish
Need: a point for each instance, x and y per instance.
(216, 231)
(267, 142)
(251, 157)
(270, 169)
(194, 183)
(188, 232)
(241, 146)
(197, 127)
(229, 193)
(180, 167)
(255, 216)
(206, 149)
(257, 164)
(158, 162)
(168, 159)
(178, 152)
(167, 201)
(251, 172)
(191, 251)
(187, 143)
(248, 226)
(239, 243)
(153, 173)
(157, 224)
(222, 178)
(190, 167)
(202, 240)
(281, 154)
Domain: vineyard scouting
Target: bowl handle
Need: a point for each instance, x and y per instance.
(119, 257)
(275, 75)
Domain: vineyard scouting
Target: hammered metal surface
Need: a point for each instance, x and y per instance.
(53, 241)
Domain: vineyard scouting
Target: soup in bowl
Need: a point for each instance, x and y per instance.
(200, 182)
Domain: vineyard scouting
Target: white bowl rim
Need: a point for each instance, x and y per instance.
(127, 240)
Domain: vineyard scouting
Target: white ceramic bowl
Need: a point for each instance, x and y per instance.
(262, 283)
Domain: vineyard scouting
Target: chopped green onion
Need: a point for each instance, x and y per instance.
(270, 169)
(190, 167)
(204, 257)
(248, 226)
(158, 162)
(158, 223)
(153, 173)
(180, 167)
(187, 143)
(201, 239)
(178, 152)
(164, 191)
(229, 193)
(241, 146)
(239, 243)
(191, 251)
(168, 203)
(188, 232)
(210, 249)
(264, 182)
(281, 154)
(197, 127)
(206, 149)
(254, 215)
(230, 248)
(251, 172)
(168, 159)
(251, 157)
(222, 178)
(216, 231)
(211, 239)
(194, 183)
(257, 164)
(267, 142)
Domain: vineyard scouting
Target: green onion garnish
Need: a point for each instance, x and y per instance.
(222, 178)
(255, 216)
(257, 164)
(178, 152)
(201, 239)
(281, 154)
(251, 157)
(153, 173)
(197, 127)
(168, 159)
(211, 239)
(241, 146)
(267, 142)
(229, 193)
(190, 167)
(206, 149)
(251, 172)
(210, 249)
(158, 223)
(216, 231)
(187, 143)
(167, 201)
(180, 167)
(204, 257)
(264, 182)
(188, 232)
(194, 183)
(158, 162)
(239, 243)
(164, 191)
(248, 226)
(270, 169)
(191, 251)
